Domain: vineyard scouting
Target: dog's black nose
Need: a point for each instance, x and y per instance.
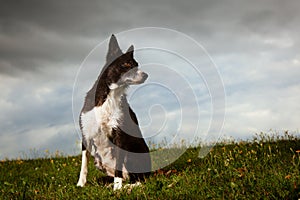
(144, 75)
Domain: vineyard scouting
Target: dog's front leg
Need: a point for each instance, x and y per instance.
(119, 152)
(84, 167)
(118, 170)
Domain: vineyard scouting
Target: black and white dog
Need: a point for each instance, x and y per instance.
(110, 131)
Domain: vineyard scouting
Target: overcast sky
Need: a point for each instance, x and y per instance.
(254, 44)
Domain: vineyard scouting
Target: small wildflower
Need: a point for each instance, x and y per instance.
(169, 172)
(288, 177)
(19, 162)
(241, 175)
(159, 172)
(64, 165)
(232, 184)
(57, 153)
(242, 171)
(51, 161)
(226, 162)
(189, 160)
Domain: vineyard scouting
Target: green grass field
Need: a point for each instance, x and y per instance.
(264, 168)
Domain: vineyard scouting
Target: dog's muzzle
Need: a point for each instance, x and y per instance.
(144, 76)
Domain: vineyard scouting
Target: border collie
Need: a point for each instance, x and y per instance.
(109, 127)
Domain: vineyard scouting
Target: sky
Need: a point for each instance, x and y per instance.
(49, 48)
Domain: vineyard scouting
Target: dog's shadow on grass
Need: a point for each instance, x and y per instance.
(105, 180)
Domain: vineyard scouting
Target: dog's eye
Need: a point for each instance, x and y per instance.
(126, 65)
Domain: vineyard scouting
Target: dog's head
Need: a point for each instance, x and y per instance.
(121, 68)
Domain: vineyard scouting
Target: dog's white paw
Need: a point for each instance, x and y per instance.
(131, 186)
(81, 183)
(117, 183)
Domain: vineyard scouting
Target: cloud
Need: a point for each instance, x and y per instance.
(34, 142)
(254, 44)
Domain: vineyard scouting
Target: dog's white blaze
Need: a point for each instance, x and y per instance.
(84, 170)
(113, 86)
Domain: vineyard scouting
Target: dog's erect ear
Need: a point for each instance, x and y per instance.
(114, 50)
(130, 51)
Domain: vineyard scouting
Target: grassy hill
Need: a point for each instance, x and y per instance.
(265, 168)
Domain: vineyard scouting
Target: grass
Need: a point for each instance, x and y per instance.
(264, 168)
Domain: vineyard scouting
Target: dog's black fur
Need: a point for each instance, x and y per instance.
(126, 136)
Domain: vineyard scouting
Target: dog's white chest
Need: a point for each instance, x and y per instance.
(97, 125)
(102, 119)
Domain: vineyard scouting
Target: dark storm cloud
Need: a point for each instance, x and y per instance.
(33, 32)
(36, 34)
(70, 18)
